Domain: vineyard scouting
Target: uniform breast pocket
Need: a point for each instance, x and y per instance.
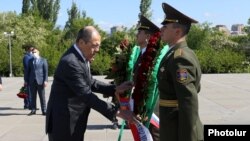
(162, 76)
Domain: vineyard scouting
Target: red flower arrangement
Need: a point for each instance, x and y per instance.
(22, 93)
(119, 65)
(140, 91)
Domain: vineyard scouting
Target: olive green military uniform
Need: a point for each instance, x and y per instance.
(179, 83)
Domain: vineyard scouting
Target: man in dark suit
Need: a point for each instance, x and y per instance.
(37, 79)
(71, 94)
(179, 81)
(26, 58)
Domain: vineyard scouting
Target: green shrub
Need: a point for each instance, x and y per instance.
(101, 64)
(221, 61)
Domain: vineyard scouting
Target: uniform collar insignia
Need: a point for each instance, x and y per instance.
(162, 69)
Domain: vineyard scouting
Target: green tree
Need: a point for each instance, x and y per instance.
(71, 32)
(221, 60)
(47, 9)
(7, 24)
(111, 44)
(73, 14)
(26, 6)
(27, 29)
(101, 64)
(55, 11)
(247, 27)
(145, 8)
(199, 36)
(217, 52)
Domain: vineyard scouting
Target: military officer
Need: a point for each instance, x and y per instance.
(179, 81)
(146, 28)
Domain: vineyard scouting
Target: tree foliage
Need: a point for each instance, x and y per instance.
(46, 9)
(26, 5)
(145, 8)
(27, 29)
(101, 64)
(75, 19)
(73, 14)
(199, 35)
(111, 43)
(247, 27)
(217, 52)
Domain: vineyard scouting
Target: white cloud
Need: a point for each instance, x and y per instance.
(208, 15)
(105, 25)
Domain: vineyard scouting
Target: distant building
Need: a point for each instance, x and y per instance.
(237, 29)
(117, 28)
(223, 28)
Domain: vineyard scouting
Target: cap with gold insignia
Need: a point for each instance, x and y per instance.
(174, 16)
(146, 24)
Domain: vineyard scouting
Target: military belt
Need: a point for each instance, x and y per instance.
(168, 103)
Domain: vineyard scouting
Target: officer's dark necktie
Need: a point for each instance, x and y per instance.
(138, 59)
(137, 65)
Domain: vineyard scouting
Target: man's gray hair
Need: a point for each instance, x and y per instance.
(85, 34)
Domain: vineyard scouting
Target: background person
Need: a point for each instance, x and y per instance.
(26, 58)
(37, 79)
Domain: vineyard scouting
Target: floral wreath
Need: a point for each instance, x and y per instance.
(141, 93)
(144, 93)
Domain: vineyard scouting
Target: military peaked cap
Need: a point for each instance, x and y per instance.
(174, 16)
(146, 24)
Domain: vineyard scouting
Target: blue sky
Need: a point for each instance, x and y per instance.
(108, 13)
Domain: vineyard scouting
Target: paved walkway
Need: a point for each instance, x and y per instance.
(224, 99)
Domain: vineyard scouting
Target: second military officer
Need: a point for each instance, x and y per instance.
(179, 81)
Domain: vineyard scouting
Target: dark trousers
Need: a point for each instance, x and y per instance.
(58, 133)
(155, 132)
(34, 89)
(27, 100)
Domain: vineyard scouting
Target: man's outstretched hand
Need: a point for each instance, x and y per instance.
(127, 115)
(127, 85)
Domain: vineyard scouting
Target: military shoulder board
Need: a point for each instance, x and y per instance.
(178, 53)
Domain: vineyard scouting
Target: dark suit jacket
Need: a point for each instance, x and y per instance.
(37, 71)
(0, 80)
(26, 60)
(71, 95)
(179, 78)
